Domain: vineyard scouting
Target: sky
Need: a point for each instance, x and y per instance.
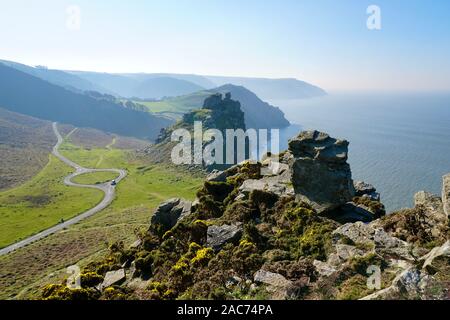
(324, 42)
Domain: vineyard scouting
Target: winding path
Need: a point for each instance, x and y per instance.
(107, 189)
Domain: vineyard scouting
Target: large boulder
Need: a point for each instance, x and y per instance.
(410, 284)
(217, 236)
(170, 212)
(446, 194)
(113, 278)
(321, 175)
(278, 286)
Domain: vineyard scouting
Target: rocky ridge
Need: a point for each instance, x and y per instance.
(291, 233)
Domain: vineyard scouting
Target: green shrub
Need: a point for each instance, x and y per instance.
(90, 279)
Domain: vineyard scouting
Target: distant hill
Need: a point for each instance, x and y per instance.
(161, 87)
(258, 114)
(273, 88)
(57, 77)
(158, 85)
(142, 86)
(26, 94)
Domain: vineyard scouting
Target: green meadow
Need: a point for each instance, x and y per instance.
(95, 178)
(42, 202)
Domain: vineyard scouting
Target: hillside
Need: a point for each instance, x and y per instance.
(26, 94)
(258, 114)
(140, 85)
(25, 144)
(57, 77)
(280, 236)
(161, 87)
(125, 84)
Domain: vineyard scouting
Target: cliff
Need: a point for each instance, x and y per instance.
(219, 112)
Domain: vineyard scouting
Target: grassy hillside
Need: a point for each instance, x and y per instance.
(25, 143)
(41, 203)
(26, 94)
(258, 114)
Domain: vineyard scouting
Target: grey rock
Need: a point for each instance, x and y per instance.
(377, 238)
(351, 212)
(435, 219)
(278, 184)
(323, 268)
(170, 212)
(217, 236)
(362, 188)
(217, 176)
(409, 284)
(343, 253)
(442, 251)
(270, 278)
(446, 194)
(320, 173)
(366, 190)
(113, 278)
(278, 286)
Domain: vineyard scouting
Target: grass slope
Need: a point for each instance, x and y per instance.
(41, 203)
(95, 178)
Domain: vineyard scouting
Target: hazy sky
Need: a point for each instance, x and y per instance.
(323, 42)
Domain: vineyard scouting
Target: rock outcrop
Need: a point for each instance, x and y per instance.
(113, 278)
(303, 231)
(363, 189)
(169, 212)
(217, 236)
(321, 175)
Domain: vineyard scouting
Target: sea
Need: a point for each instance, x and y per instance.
(399, 142)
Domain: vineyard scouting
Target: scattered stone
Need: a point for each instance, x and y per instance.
(343, 254)
(408, 285)
(217, 236)
(113, 278)
(377, 238)
(321, 175)
(170, 212)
